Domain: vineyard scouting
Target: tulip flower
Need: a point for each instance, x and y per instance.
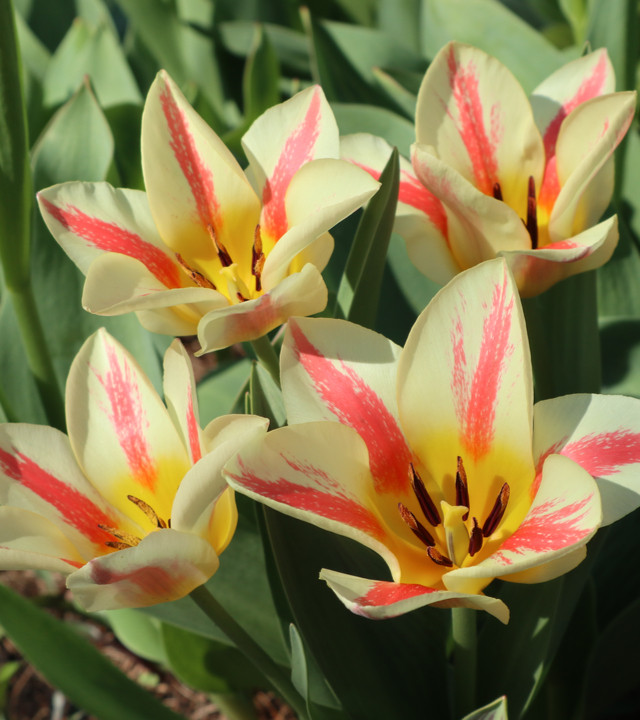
(209, 249)
(132, 505)
(434, 455)
(495, 174)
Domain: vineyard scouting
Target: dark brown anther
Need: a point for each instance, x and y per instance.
(240, 296)
(427, 505)
(419, 530)
(462, 488)
(127, 540)
(223, 255)
(117, 545)
(497, 513)
(438, 558)
(257, 258)
(475, 538)
(497, 191)
(532, 214)
(148, 511)
(198, 278)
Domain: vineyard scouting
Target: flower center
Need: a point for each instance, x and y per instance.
(532, 211)
(125, 540)
(462, 537)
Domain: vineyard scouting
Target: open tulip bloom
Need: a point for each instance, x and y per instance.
(494, 173)
(435, 457)
(209, 249)
(132, 506)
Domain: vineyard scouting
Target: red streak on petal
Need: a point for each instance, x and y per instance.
(476, 391)
(192, 429)
(196, 173)
(546, 529)
(150, 581)
(75, 508)
(480, 147)
(388, 593)
(128, 418)
(357, 404)
(298, 150)
(327, 502)
(113, 238)
(605, 453)
(75, 563)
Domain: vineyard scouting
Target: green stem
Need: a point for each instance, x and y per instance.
(280, 681)
(235, 707)
(37, 351)
(267, 357)
(464, 660)
(539, 346)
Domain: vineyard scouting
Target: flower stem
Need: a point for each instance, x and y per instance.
(267, 357)
(464, 660)
(279, 679)
(37, 351)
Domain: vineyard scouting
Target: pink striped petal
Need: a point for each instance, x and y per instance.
(564, 516)
(28, 541)
(537, 270)
(473, 111)
(39, 473)
(279, 143)
(120, 430)
(302, 293)
(549, 570)
(165, 566)
(600, 433)
(334, 370)
(89, 219)
(378, 600)
(193, 182)
(465, 386)
(587, 139)
(318, 472)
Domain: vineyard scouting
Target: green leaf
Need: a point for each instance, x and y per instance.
(298, 663)
(405, 99)
(359, 292)
(35, 56)
(74, 666)
(401, 19)
(576, 13)
(418, 290)
(218, 392)
(496, 710)
(395, 129)
(137, 632)
(266, 397)
(125, 122)
(490, 26)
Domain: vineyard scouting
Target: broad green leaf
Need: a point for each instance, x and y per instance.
(405, 99)
(218, 392)
(359, 292)
(95, 13)
(401, 19)
(125, 122)
(7, 671)
(362, 12)
(576, 13)
(490, 26)
(35, 56)
(50, 21)
(138, 632)
(72, 664)
(496, 710)
(282, 12)
(394, 128)
(92, 51)
(620, 342)
(298, 663)
(417, 289)
(266, 397)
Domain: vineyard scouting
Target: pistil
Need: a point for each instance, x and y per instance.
(426, 503)
(497, 513)
(417, 528)
(456, 533)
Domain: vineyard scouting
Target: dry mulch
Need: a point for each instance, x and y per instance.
(31, 697)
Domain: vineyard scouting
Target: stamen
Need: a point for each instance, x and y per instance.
(419, 530)
(257, 258)
(462, 488)
(148, 511)
(223, 255)
(127, 539)
(438, 558)
(497, 513)
(117, 545)
(426, 503)
(475, 538)
(532, 214)
(497, 191)
(198, 278)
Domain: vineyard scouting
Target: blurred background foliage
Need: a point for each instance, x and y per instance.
(87, 66)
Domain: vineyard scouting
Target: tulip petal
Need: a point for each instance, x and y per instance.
(302, 293)
(479, 226)
(564, 516)
(120, 430)
(29, 541)
(193, 181)
(338, 371)
(39, 473)
(587, 139)
(318, 253)
(279, 143)
(549, 570)
(477, 116)
(537, 270)
(465, 387)
(165, 566)
(200, 505)
(601, 434)
(320, 194)
(379, 600)
(421, 219)
(89, 219)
